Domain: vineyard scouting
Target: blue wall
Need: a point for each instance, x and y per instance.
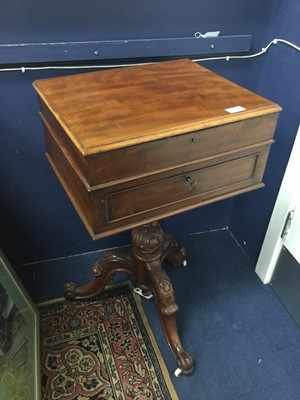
(37, 220)
(77, 20)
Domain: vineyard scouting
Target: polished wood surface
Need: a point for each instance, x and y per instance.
(131, 146)
(101, 186)
(113, 109)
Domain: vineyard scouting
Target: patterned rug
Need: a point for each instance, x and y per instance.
(101, 350)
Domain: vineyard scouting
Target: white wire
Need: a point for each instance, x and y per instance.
(70, 67)
(263, 50)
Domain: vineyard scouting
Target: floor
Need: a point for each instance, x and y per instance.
(244, 343)
(286, 282)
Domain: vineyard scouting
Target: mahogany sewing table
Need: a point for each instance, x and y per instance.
(137, 144)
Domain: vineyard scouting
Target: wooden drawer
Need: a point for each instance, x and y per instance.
(191, 188)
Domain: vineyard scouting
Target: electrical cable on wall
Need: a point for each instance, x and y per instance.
(227, 58)
(263, 50)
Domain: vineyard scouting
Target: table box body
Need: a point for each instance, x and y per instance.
(138, 144)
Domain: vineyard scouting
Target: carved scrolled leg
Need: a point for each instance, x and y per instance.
(103, 270)
(167, 308)
(150, 245)
(175, 254)
(141, 278)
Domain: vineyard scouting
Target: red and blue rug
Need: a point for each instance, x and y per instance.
(101, 349)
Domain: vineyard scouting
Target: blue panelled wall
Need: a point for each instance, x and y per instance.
(37, 220)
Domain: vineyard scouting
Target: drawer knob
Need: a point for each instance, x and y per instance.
(192, 183)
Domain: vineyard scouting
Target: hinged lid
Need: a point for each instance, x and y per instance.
(115, 108)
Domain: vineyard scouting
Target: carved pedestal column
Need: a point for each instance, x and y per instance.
(150, 247)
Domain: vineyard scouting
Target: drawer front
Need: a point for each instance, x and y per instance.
(166, 154)
(189, 189)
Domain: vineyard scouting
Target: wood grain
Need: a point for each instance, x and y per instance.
(177, 149)
(113, 109)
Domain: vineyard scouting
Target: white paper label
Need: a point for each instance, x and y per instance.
(236, 109)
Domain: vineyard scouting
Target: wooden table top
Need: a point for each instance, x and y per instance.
(112, 109)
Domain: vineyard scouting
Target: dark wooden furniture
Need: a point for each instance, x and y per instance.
(134, 145)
